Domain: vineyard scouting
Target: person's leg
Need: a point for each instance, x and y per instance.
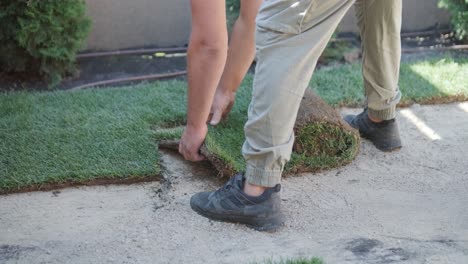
(380, 26)
(290, 37)
(288, 47)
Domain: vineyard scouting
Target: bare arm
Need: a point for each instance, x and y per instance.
(240, 56)
(207, 54)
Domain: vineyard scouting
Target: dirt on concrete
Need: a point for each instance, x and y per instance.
(404, 207)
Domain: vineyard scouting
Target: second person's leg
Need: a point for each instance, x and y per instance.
(380, 26)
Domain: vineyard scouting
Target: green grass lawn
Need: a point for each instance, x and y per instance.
(56, 137)
(80, 136)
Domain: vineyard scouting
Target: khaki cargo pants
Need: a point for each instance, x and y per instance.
(291, 35)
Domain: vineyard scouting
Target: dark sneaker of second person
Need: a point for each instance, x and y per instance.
(385, 135)
(231, 204)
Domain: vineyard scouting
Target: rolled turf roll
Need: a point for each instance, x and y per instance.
(323, 140)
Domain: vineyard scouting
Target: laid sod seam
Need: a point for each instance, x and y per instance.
(94, 182)
(64, 138)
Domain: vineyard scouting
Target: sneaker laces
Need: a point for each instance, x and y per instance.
(226, 187)
(231, 183)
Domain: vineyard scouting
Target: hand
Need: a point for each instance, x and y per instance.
(191, 141)
(221, 106)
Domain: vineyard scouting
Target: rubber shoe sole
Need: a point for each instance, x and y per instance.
(386, 142)
(263, 224)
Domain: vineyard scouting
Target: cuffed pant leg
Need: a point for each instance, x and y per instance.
(285, 63)
(380, 26)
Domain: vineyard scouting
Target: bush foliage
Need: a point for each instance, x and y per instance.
(42, 36)
(459, 12)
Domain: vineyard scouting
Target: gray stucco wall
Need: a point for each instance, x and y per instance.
(121, 24)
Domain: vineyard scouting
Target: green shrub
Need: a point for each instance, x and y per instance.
(42, 36)
(459, 12)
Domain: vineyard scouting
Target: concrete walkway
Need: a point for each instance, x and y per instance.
(409, 206)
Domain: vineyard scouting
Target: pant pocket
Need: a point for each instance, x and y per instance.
(284, 16)
(320, 10)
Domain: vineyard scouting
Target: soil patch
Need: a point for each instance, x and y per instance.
(90, 70)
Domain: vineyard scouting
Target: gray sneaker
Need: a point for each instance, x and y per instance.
(231, 204)
(384, 135)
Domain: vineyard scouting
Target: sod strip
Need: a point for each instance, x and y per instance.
(97, 136)
(323, 140)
